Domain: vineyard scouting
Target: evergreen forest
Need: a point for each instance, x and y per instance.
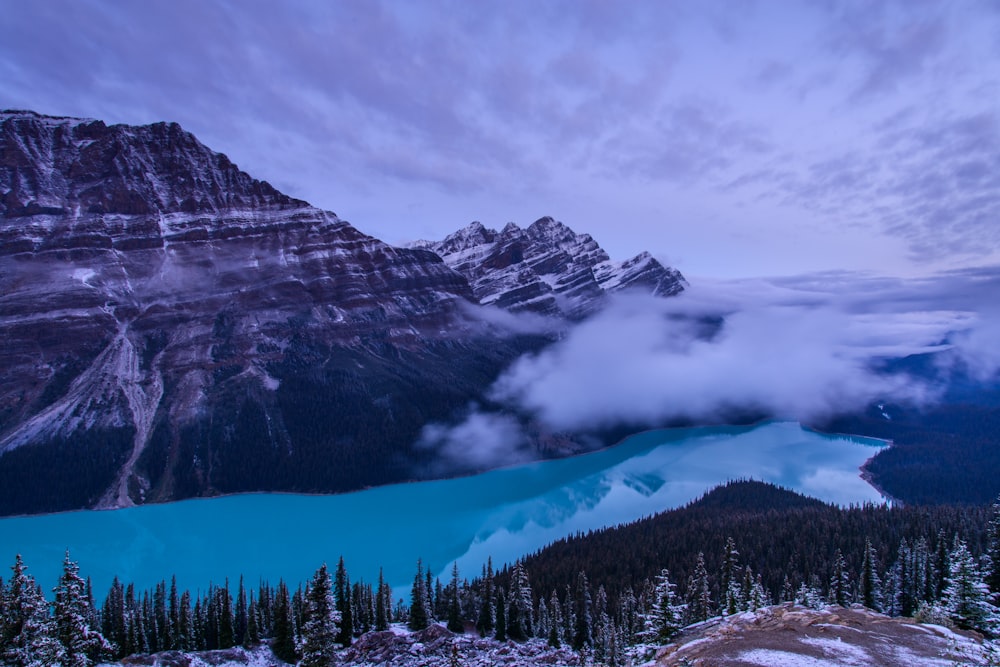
(607, 593)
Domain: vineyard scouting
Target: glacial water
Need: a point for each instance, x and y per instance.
(503, 513)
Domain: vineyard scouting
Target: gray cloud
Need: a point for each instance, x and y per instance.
(799, 348)
(895, 41)
(479, 442)
(635, 364)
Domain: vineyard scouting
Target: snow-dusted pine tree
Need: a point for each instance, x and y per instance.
(869, 582)
(699, 593)
(840, 581)
(82, 644)
(420, 604)
(965, 597)
(455, 623)
(520, 605)
(342, 600)
(27, 633)
(666, 613)
(583, 631)
(319, 631)
(993, 573)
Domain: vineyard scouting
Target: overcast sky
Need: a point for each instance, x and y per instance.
(731, 138)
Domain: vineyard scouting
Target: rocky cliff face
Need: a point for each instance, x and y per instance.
(547, 268)
(173, 327)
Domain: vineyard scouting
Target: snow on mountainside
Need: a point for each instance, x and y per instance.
(547, 268)
(173, 327)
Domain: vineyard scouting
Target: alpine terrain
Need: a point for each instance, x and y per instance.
(173, 327)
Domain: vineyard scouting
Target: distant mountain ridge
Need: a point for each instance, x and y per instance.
(547, 268)
(173, 327)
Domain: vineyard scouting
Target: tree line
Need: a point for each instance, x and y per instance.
(938, 576)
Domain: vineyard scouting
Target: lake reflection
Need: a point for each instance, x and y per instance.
(504, 513)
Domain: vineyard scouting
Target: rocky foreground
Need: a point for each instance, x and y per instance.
(787, 635)
(790, 635)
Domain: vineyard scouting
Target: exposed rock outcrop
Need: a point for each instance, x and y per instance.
(547, 268)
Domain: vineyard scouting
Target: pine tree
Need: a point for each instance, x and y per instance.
(500, 633)
(665, 616)
(941, 565)
(731, 593)
(993, 537)
(420, 613)
(185, 627)
(583, 630)
(555, 622)
(383, 604)
(251, 637)
(27, 633)
(454, 606)
(485, 621)
(240, 614)
(284, 627)
(699, 593)
(173, 614)
(542, 619)
(319, 632)
(82, 644)
(519, 616)
(840, 582)
(869, 582)
(113, 619)
(342, 597)
(965, 597)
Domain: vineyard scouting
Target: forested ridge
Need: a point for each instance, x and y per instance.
(608, 593)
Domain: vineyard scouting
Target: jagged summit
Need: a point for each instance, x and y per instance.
(80, 167)
(547, 268)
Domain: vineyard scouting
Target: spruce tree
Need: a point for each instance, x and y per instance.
(174, 614)
(27, 633)
(227, 620)
(840, 581)
(699, 593)
(185, 627)
(342, 597)
(319, 632)
(665, 616)
(731, 593)
(993, 541)
(240, 614)
(420, 613)
(284, 627)
(521, 603)
(485, 620)
(455, 623)
(555, 621)
(113, 624)
(82, 645)
(383, 604)
(869, 582)
(583, 630)
(965, 597)
(501, 617)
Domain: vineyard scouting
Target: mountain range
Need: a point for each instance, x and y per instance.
(173, 327)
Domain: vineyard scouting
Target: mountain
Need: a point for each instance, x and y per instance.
(173, 327)
(547, 268)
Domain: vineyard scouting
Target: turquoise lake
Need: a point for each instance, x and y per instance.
(503, 513)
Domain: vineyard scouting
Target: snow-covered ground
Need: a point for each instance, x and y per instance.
(794, 636)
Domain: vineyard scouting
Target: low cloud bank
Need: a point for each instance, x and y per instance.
(799, 349)
(637, 362)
